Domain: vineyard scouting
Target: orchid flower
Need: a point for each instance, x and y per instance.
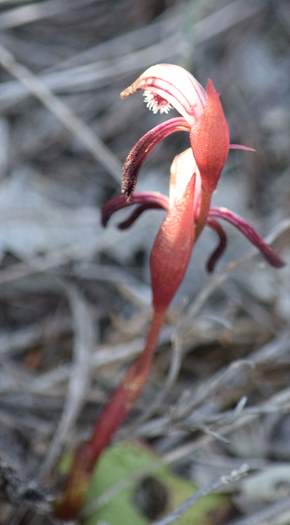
(194, 176)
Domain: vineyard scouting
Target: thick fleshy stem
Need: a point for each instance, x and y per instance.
(221, 246)
(113, 415)
(250, 233)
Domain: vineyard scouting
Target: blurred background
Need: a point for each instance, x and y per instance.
(75, 298)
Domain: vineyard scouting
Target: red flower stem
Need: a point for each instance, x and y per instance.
(112, 416)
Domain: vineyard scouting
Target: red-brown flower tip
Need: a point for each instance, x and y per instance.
(210, 141)
(144, 146)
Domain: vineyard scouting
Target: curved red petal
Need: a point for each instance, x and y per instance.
(135, 214)
(143, 147)
(250, 233)
(148, 199)
(221, 246)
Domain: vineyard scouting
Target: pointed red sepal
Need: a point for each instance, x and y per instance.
(210, 140)
(144, 146)
(221, 246)
(172, 249)
(242, 147)
(250, 233)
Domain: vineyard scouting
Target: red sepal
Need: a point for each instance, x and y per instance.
(210, 141)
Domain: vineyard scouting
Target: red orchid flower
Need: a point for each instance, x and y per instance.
(193, 178)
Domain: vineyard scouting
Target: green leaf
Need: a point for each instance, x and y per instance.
(132, 486)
